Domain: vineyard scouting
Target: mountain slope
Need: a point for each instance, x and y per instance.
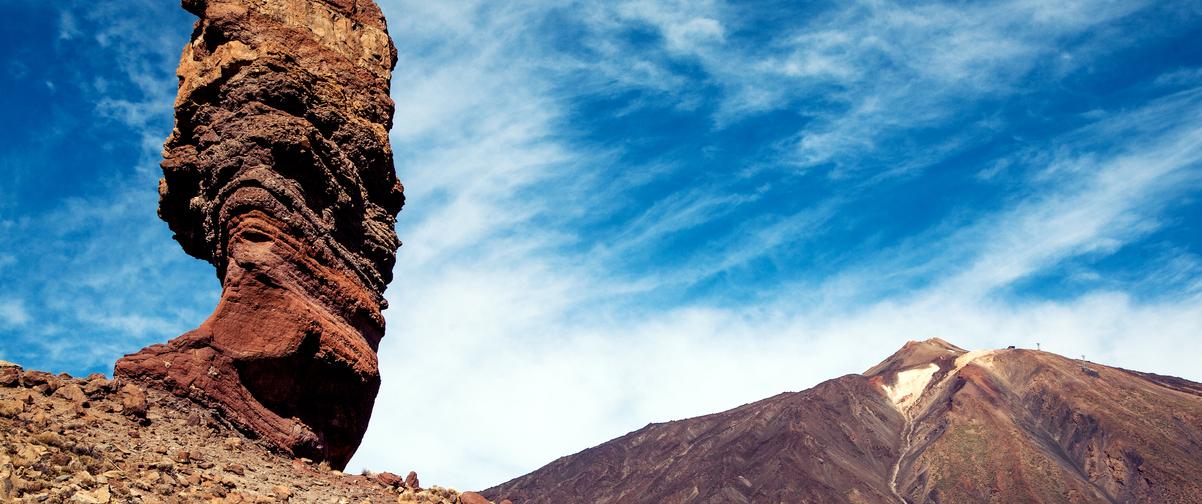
(931, 423)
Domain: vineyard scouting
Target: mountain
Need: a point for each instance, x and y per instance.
(931, 423)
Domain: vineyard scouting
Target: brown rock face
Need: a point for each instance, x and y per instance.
(279, 173)
(932, 423)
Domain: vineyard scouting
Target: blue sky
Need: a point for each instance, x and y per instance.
(635, 211)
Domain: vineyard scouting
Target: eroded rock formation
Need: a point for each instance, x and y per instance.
(279, 173)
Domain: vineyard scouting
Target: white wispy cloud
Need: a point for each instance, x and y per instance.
(1101, 203)
(510, 344)
(99, 272)
(515, 337)
(68, 28)
(869, 71)
(13, 313)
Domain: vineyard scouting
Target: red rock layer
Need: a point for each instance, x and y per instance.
(279, 173)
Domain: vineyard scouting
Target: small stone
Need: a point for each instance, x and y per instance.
(41, 381)
(101, 495)
(71, 392)
(97, 385)
(235, 468)
(38, 417)
(232, 443)
(10, 374)
(60, 459)
(52, 439)
(27, 486)
(389, 479)
(506, 501)
(183, 457)
(85, 479)
(28, 455)
(11, 407)
(282, 492)
(133, 400)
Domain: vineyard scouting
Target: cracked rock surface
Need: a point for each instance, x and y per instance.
(280, 174)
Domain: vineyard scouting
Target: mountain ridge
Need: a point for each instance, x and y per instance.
(932, 422)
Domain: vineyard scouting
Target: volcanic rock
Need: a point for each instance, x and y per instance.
(931, 423)
(11, 407)
(390, 480)
(97, 385)
(113, 458)
(10, 374)
(472, 498)
(72, 393)
(280, 174)
(133, 400)
(41, 381)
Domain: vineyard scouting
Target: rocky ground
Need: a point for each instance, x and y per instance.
(93, 440)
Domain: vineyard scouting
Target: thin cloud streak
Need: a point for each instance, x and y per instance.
(510, 344)
(556, 291)
(97, 270)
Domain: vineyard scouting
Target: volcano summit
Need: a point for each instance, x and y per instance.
(931, 423)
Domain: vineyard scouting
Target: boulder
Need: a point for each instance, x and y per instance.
(72, 393)
(96, 386)
(133, 400)
(472, 498)
(10, 376)
(390, 480)
(41, 381)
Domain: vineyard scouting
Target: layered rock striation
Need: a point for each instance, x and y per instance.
(280, 174)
